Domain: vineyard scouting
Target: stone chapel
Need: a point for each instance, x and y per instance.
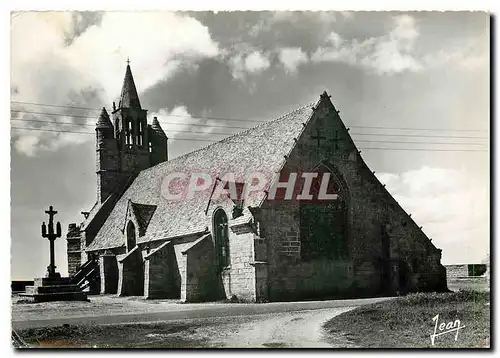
(135, 242)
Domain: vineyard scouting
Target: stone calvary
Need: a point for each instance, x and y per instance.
(53, 287)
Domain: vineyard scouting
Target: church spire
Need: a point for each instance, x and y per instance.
(157, 128)
(103, 122)
(129, 97)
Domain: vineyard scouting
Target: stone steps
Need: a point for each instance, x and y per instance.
(45, 281)
(57, 296)
(51, 289)
(54, 289)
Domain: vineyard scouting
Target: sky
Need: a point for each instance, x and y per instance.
(423, 70)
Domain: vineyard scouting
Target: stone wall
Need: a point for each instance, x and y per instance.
(131, 273)
(241, 272)
(202, 281)
(74, 252)
(369, 208)
(161, 273)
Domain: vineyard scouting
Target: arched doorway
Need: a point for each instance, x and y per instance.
(131, 240)
(221, 237)
(323, 223)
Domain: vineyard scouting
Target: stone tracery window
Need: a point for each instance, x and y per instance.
(221, 237)
(323, 225)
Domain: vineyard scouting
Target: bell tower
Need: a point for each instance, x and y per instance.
(130, 123)
(127, 144)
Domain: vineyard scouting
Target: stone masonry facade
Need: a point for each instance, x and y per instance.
(270, 251)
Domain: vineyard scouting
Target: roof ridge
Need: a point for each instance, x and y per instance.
(235, 135)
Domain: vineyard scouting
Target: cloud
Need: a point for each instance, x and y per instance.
(180, 115)
(62, 48)
(292, 57)
(469, 56)
(452, 208)
(396, 51)
(253, 63)
(387, 54)
(269, 20)
(27, 144)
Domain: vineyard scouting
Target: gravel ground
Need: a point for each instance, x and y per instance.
(303, 329)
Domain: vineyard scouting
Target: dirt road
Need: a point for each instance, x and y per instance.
(119, 322)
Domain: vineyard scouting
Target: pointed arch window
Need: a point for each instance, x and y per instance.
(131, 239)
(128, 131)
(140, 138)
(323, 224)
(221, 236)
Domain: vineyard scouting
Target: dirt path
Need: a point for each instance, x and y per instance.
(284, 330)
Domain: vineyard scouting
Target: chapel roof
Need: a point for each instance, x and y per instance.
(259, 149)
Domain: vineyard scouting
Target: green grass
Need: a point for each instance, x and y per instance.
(406, 322)
(154, 335)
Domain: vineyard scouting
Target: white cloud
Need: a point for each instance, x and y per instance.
(292, 57)
(395, 52)
(391, 53)
(256, 62)
(469, 56)
(27, 144)
(40, 57)
(244, 63)
(184, 119)
(450, 205)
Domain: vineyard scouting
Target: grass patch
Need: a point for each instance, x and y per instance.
(154, 335)
(406, 322)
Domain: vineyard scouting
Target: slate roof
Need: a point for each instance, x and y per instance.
(143, 213)
(155, 126)
(103, 122)
(262, 148)
(129, 97)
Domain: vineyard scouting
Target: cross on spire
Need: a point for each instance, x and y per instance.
(128, 61)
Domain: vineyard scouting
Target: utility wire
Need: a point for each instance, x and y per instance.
(219, 133)
(212, 141)
(169, 115)
(92, 125)
(87, 133)
(248, 120)
(237, 127)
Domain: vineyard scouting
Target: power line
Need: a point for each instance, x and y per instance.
(238, 127)
(428, 150)
(248, 120)
(169, 115)
(92, 125)
(421, 129)
(212, 141)
(162, 122)
(419, 135)
(408, 142)
(87, 133)
(218, 133)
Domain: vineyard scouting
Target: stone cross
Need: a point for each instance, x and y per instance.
(336, 141)
(318, 137)
(51, 236)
